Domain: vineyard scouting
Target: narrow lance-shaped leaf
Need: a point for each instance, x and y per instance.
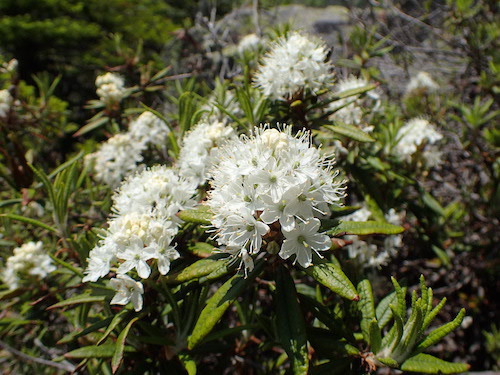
(188, 363)
(383, 311)
(29, 220)
(401, 298)
(410, 331)
(375, 336)
(78, 300)
(219, 303)
(351, 132)
(91, 125)
(428, 364)
(366, 306)
(92, 328)
(117, 319)
(393, 337)
(120, 346)
(442, 331)
(431, 315)
(95, 351)
(334, 279)
(290, 322)
(198, 269)
(364, 228)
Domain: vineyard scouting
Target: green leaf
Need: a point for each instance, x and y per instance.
(200, 268)
(202, 249)
(9, 202)
(366, 306)
(334, 279)
(77, 334)
(356, 91)
(219, 303)
(198, 215)
(91, 126)
(383, 311)
(351, 132)
(389, 362)
(10, 293)
(28, 220)
(364, 228)
(290, 322)
(77, 271)
(429, 364)
(117, 319)
(401, 298)
(95, 351)
(120, 346)
(431, 315)
(411, 329)
(188, 363)
(375, 336)
(442, 331)
(78, 300)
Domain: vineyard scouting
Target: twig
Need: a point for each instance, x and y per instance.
(62, 366)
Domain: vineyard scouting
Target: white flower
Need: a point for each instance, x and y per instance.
(5, 102)
(136, 257)
(302, 239)
(349, 110)
(149, 129)
(29, 259)
(110, 88)
(116, 158)
(294, 63)
(199, 148)
(249, 42)
(415, 134)
(157, 191)
(270, 179)
(242, 229)
(144, 224)
(422, 81)
(127, 289)
(9, 67)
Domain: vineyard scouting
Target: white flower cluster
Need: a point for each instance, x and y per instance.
(414, 135)
(29, 259)
(295, 63)
(149, 129)
(351, 111)
(365, 252)
(115, 159)
(110, 88)
(5, 102)
(120, 155)
(250, 42)
(142, 229)
(9, 67)
(273, 187)
(199, 148)
(422, 81)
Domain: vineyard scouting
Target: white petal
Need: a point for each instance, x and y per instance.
(137, 301)
(120, 298)
(143, 269)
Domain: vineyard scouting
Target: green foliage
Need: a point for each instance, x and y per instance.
(335, 316)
